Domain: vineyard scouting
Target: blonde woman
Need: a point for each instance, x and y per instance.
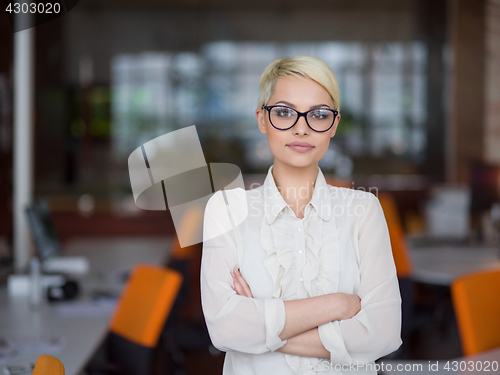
(316, 290)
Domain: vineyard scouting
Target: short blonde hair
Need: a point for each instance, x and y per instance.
(300, 66)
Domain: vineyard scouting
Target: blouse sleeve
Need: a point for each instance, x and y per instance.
(376, 330)
(234, 322)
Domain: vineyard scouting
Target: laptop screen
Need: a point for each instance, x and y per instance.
(43, 230)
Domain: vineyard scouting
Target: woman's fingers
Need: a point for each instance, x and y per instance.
(243, 283)
(240, 285)
(236, 285)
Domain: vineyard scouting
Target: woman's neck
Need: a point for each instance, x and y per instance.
(296, 185)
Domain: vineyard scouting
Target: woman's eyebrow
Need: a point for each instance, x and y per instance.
(285, 103)
(293, 106)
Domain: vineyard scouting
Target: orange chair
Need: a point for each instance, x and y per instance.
(186, 330)
(476, 301)
(145, 304)
(187, 260)
(400, 251)
(404, 267)
(339, 182)
(48, 365)
(138, 320)
(191, 224)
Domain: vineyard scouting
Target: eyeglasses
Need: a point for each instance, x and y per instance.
(318, 119)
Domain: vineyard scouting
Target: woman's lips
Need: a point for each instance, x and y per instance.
(300, 146)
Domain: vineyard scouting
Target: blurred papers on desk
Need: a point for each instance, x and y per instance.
(12, 347)
(447, 212)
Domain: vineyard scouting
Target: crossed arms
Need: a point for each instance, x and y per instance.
(303, 316)
(343, 327)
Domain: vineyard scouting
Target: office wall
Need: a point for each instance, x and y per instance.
(466, 132)
(474, 109)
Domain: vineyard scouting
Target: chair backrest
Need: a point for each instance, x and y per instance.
(476, 301)
(339, 182)
(145, 304)
(48, 365)
(400, 252)
(191, 223)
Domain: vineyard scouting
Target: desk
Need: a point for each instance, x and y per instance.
(81, 334)
(445, 366)
(442, 265)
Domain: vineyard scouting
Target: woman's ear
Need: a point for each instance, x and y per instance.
(259, 113)
(335, 125)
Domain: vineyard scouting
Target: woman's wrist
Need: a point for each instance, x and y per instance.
(305, 344)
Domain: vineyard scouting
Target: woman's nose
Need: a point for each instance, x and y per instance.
(301, 126)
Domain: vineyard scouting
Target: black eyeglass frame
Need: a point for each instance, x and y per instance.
(300, 114)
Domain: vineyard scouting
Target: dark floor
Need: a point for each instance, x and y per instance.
(436, 334)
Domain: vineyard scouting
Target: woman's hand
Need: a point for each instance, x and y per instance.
(351, 304)
(240, 285)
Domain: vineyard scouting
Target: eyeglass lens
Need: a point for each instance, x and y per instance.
(319, 119)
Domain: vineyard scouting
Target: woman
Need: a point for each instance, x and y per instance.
(316, 290)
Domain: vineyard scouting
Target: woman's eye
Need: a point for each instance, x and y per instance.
(283, 112)
(320, 114)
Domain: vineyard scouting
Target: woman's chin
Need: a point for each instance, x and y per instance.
(294, 163)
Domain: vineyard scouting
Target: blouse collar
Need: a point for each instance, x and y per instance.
(274, 202)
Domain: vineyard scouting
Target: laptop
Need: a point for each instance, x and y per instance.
(48, 243)
(43, 230)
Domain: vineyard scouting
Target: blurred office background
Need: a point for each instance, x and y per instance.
(420, 105)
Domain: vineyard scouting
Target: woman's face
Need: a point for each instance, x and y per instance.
(301, 94)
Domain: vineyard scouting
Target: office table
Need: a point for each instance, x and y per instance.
(474, 365)
(441, 265)
(81, 333)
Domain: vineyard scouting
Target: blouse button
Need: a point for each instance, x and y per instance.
(299, 229)
(300, 251)
(301, 280)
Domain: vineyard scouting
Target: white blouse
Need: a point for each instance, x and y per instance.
(341, 245)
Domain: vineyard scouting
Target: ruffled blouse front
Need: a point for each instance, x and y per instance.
(313, 270)
(300, 266)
